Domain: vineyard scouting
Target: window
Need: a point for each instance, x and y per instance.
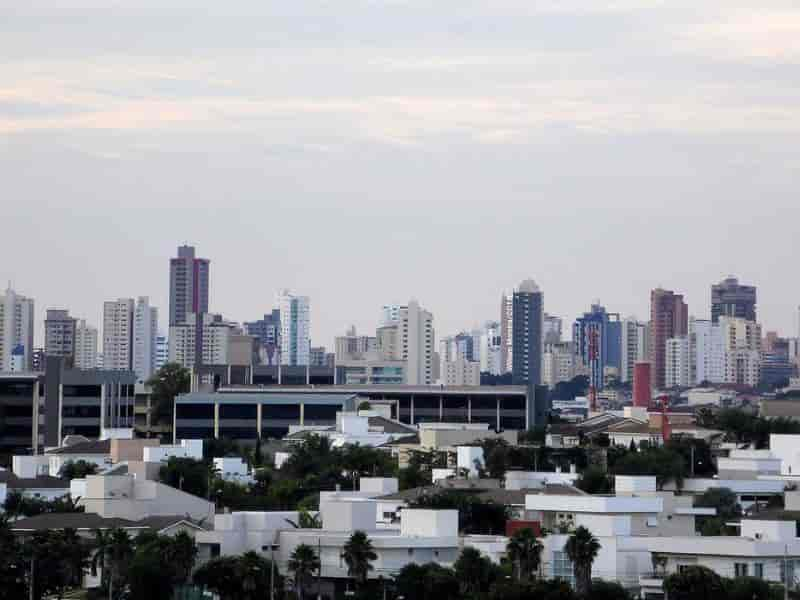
(758, 570)
(740, 569)
(787, 572)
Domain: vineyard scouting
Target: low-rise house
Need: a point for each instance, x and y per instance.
(238, 532)
(42, 487)
(748, 491)
(233, 469)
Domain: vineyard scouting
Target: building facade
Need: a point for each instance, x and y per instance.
(295, 319)
(461, 372)
(678, 369)
(597, 339)
(634, 347)
(709, 351)
(507, 332)
(145, 337)
(558, 363)
(731, 299)
(527, 322)
(669, 318)
(268, 333)
(352, 346)
(416, 335)
(59, 334)
(16, 329)
(189, 279)
(118, 334)
(214, 345)
(85, 346)
(742, 341)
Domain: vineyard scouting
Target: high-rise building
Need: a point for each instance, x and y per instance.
(295, 316)
(118, 335)
(214, 347)
(145, 335)
(16, 329)
(318, 357)
(188, 285)
(709, 351)
(677, 366)
(490, 349)
(162, 351)
(390, 313)
(731, 299)
(552, 329)
(597, 339)
(669, 317)
(387, 338)
(352, 346)
(558, 363)
(268, 333)
(85, 346)
(59, 334)
(507, 332)
(642, 384)
(461, 372)
(527, 340)
(416, 336)
(742, 339)
(634, 347)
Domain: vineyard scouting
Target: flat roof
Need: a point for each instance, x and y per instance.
(260, 396)
(489, 390)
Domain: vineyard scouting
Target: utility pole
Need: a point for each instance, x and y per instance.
(33, 577)
(691, 449)
(786, 572)
(272, 571)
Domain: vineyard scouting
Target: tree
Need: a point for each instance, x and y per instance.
(524, 551)
(221, 576)
(254, 572)
(303, 562)
(427, 582)
(582, 548)
(12, 568)
(182, 555)
(694, 583)
(751, 588)
(168, 382)
(594, 480)
(474, 515)
(114, 552)
(364, 405)
(258, 456)
(151, 574)
(187, 474)
(77, 469)
(245, 577)
(358, 556)
(75, 554)
(473, 571)
(608, 590)
(666, 465)
(727, 506)
(305, 520)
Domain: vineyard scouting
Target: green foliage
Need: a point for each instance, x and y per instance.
(582, 548)
(77, 469)
(358, 555)
(187, 474)
(665, 464)
(427, 582)
(537, 435)
(17, 504)
(168, 382)
(303, 563)
(728, 509)
(569, 390)
(474, 572)
(12, 567)
(474, 515)
(743, 427)
(694, 583)
(524, 552)
(364, 405)
(55, 561)
(305, 520)
(704, 465)
(594, 480)
(538, 590)
(114, 550)
(245, 577)
(608, 590)
(751, 588)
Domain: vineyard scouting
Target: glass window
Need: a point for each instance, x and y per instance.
(562, 567)
(758, 570)
(740, 569)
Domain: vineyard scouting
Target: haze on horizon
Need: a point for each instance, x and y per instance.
(366, 152)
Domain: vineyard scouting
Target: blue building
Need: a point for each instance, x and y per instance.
(606, 330)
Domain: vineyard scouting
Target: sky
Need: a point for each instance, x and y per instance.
(369, 152)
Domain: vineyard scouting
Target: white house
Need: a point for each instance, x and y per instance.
(233, 469)
(748, 491)
(184, 449)
(786, 447)
(239, 532)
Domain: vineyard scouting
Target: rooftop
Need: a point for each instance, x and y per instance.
(41, 482)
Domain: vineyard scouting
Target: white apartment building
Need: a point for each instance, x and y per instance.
(558, 363)
(145, 335)
(295, 328)
(416, 334)
(16, 330)
(162, 351)
(490, 349)
(507, 332)
(634, 347)
(677, 362)
(215, 341)
(85, 346)
(118, 334)
(742, 341)
(709, 351)
(461, 372)
(352, 346)
(390, 313)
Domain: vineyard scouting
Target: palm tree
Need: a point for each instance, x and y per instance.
(524, 551)
(305, 520)
(114, 553)
(76, 561)
(582, 548)
(358, 555)
(182, 554)
(303, 562)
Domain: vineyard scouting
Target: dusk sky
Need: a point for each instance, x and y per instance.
(365, 153)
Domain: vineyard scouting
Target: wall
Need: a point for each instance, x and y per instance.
(57, 461)
(29, 467)
(429, 523)
(787, 448)
(437, 438)
(124, 450)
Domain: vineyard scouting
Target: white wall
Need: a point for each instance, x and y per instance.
(349, 515)
(428, 523)
(185, 449)
(57, 461)
(787, 448)
(29, 467)
(769, 530)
